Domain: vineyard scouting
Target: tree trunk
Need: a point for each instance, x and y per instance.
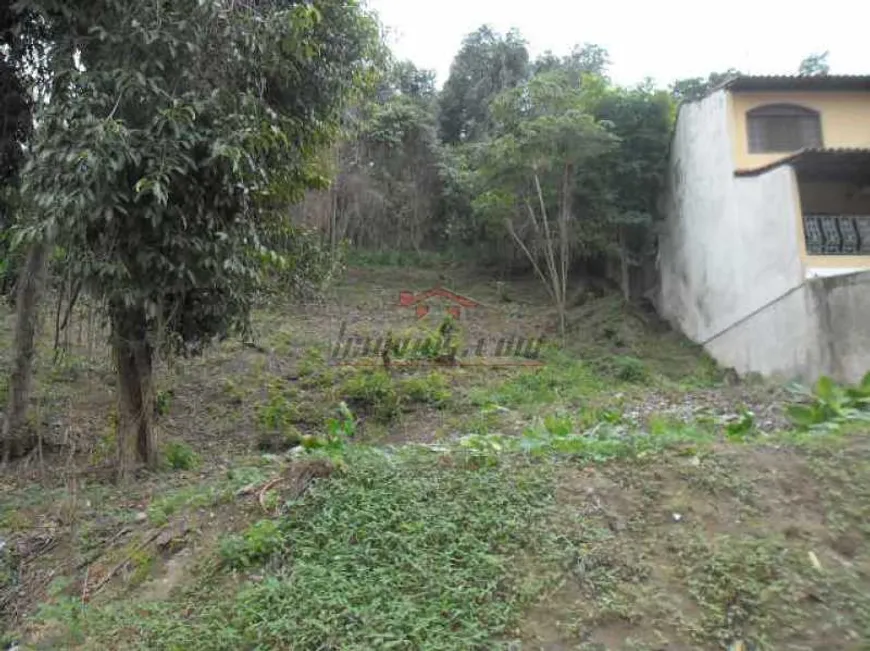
(15, 441)
(137, 441)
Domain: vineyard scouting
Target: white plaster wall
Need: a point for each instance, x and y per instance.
(782, 340)
(767, 257)
(729, 246)
(698, 197)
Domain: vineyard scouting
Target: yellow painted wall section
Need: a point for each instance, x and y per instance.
(845, 120)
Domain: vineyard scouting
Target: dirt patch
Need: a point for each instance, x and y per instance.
(739, 545)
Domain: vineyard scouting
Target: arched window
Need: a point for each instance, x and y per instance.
(783, 128)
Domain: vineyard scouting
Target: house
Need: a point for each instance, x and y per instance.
(764, 252)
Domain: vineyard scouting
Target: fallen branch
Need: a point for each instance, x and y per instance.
(93, 557)
(105, 580)
(261, 498)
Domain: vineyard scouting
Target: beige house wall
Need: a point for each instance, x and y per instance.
(845, 121)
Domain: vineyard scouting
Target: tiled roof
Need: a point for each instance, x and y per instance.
(821, 162)
(798, 82)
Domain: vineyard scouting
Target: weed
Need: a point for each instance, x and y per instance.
(829, 405)
(440, 344)
(624, 368)
(372, 393)
(180, 456)
(742, 428)
(339, 431)
(432, 389)
(282, 342)
(62, 607)
(736, 585)
(234, 394)
(257, 544)
(277, 415)
(312, 363)
(143, 564)
(203, 495)
(163, 402)
(561, 380)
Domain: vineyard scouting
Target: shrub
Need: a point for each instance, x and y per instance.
(431, 389)
(257, 544)
(180, 456)
(372, 393)
(163, 402)
(277, 413)
(629, 369)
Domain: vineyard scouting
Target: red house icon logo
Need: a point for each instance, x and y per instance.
(421, 301)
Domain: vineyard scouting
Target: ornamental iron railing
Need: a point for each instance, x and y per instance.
(837, 234)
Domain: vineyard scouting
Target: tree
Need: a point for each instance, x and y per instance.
(387, 185)
(815, 65)
(695, 88)
(25, 56)
(634, 171)
(588, 59)
(487, 64)
(548, 140)
(188, 126)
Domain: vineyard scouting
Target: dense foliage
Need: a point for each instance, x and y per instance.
(181, 133)
(422, 170)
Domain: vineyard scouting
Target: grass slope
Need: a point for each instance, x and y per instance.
(620, 497)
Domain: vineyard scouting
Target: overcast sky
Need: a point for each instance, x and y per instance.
(665, 40)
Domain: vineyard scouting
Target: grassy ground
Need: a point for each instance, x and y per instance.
(621, 496)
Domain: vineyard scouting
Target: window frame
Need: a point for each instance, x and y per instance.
(759, 140)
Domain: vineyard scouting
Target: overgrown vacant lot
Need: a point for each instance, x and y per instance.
(625, 495)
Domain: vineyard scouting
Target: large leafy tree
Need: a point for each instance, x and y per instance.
(548, 141)
(23, 40)
(187, 125)
(641, 118)
(487, 64)
(587, 59)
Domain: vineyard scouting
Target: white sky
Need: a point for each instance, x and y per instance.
(665, 39)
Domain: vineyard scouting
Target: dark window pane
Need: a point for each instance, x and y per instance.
(783, 128)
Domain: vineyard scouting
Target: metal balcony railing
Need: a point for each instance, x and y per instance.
(837, 234)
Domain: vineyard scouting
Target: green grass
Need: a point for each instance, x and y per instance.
(395, 552)
(405, 259)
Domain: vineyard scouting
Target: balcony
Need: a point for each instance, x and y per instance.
(837, 234)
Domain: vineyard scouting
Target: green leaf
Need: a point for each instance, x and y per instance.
(826, 388)
(804, 415)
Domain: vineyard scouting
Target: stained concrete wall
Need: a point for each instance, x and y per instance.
(780, 340)
(842, 307)
(729, 245)
(821, 328)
